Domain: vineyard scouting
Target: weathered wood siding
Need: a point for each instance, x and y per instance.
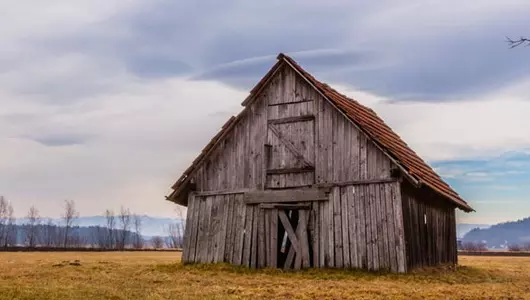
(220, 229)
(430, 228)
(337, 149)
(360, 226)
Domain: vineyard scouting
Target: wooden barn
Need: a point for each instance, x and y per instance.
(306, 177)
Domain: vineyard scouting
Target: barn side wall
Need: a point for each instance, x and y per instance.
(359, 226)
(430, 228)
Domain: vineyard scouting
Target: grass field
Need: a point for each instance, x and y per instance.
(157, 275)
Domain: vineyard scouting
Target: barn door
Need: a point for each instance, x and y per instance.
(285, 243)
(290, 152)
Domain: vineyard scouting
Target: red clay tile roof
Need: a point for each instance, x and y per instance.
(376, 128)
(365, 118)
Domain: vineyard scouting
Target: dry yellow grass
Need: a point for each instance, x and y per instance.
(157, 275)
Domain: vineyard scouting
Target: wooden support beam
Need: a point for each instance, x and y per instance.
(292, 119)
(290, 170)
(278, 196)
(355, 182)
(221, 192)
(293, 102)
(286, 206)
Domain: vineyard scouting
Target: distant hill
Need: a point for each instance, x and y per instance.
(463, 228)
(500, 235)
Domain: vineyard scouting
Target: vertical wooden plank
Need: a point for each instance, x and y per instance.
(315, 234)
(323, 237)
(201, 231)
(369, 237)
(337, 225)
(223, 209)
(239, 230)
(303, 238)
(229, 228)
(213, 233)
(187, 230)
(195, 229)
(331, 231)
(354, 152)
(363, 240)
(249, 220)
(345, 227)
(363, 170)
(384, 227)
(396, 199)
(391, 236)
(267, 235)
(254, 243)
(274, 237)
(373, 225)
(409, 238)
(353, 230)
(205, 237)
(382, 238)
(262, 261)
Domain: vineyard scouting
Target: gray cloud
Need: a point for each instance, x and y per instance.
(402, 52)
(418, 63)
(57, 140)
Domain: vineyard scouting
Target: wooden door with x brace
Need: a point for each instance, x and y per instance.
(286, 235)
(290, 152)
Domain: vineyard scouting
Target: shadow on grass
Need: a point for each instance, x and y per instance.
(442, 274)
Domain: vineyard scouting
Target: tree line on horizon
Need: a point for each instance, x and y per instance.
(121, 231)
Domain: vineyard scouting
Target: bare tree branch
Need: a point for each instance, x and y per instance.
(157, 242)
(10, 235)
(70, 214)
(138, 242)
(125, 222)
(3, 218)
(521, 41)
(32, 226)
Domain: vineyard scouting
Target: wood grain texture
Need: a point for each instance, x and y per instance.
(337, 227)
(278, 196)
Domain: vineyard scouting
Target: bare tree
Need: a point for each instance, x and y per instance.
(111, 226)
(10, 236)
(474, 246)
(174, 235)
(32, 226)
(3, 218)
(49, 234)
(138, 240)
(70, 215)
(100, 237)
(518, 42)
(125, 225)
(157, 242)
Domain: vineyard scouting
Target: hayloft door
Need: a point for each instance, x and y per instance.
(290, 152)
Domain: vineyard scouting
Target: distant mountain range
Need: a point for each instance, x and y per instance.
(463, 228)
(502, 234)
(151, 226)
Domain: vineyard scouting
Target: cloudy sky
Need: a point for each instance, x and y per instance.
(106, 102)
